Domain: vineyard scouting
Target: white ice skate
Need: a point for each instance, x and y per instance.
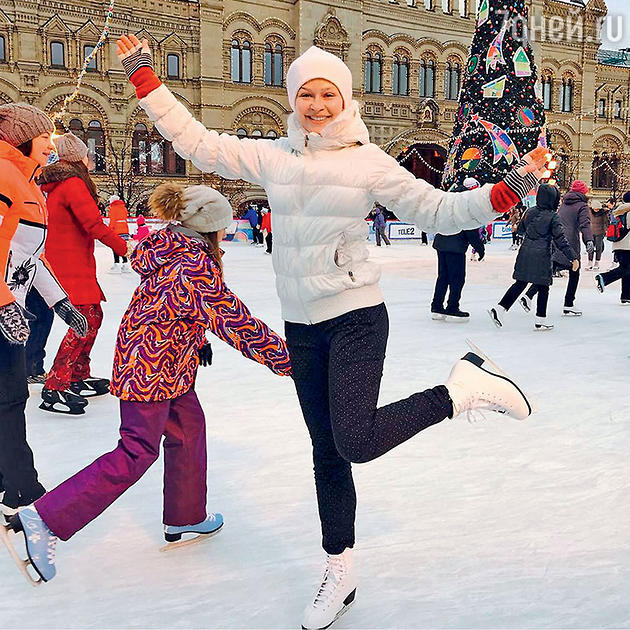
(476, 382)
(571, 311)
(335, 594)
(202, 531)
(543, 325)
(125, 268)
(115, 268)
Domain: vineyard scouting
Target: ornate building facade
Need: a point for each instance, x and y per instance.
(226, 60)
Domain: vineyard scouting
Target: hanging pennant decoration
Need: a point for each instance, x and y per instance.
(484, 13)
(464, 111)
(99, 44)
(473, 64)
(495, 88)
(522, 65)
(502, 144)
(495, 52)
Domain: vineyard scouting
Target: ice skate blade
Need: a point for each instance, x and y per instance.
(190, 542)
(497, 370)
(76, 412)
(20, 563)
(346, 605)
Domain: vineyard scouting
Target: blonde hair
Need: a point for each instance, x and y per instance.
(167, 203)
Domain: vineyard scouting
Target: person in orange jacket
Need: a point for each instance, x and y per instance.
(25, 145)
(118, 216)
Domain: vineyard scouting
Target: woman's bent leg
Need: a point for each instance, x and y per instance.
(511, 295)
(362, 431)
(80, 499)
(185, 462)
(336, 496)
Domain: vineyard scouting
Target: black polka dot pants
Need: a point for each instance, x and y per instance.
(337, 369)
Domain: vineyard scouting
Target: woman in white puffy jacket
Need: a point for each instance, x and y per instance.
(336, 321)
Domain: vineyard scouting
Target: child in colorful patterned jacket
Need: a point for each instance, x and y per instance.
(160, 340)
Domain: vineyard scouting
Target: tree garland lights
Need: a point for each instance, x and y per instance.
(58, 117)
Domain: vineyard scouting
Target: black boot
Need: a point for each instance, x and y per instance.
(455, 315)
(90, 387)
(63, 402)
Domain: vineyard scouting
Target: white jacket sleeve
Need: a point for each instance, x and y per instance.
(209, 151)
(431, 209)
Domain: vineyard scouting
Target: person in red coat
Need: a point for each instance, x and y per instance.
(74, 224)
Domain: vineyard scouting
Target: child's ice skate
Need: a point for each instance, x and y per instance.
(476, 382)
(206, 529)
(40, 545)
(334, 595)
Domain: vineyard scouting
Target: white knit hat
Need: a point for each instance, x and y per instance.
(114, 198)
(205, 210)
(70, 148)
(316, 63)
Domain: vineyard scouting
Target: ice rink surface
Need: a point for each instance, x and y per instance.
(496, 524)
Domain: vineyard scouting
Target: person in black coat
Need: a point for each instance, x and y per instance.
(540, 227)
(576, 220)
(451, 251)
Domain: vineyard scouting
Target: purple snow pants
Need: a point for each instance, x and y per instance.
(80, 499)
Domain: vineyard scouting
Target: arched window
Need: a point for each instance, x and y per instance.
(601, 108)
(427, 78)
(241, 133)
(428, 4)
(3, 49)
(446, 6)
(463, 8)
(140, 149)
(87, 51)
(272, 134)
(618, 108)
(373, 73)
(257, 133)
(566, 95)
(172, 163)
(95, 140)
(273, 64)
(605, 169)
(75, 126)
(57, 55)
(241, 61)
(452, 81)
(172, 66)
(400, 76)
(547, 91)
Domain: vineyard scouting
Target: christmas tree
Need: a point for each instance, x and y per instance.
(499, 118)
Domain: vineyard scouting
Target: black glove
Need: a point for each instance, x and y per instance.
(14, 323)
(75, 319)
(590, 248)
(205, 354)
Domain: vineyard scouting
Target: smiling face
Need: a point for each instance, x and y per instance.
(318, 103)
(42, 148)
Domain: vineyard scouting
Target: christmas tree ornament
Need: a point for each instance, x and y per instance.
(499, 113)
(522, 67)
(494, 88)
(495, 51)
(484, 13)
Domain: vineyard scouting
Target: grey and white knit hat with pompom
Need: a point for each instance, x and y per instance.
(205, 210)
(21, 122)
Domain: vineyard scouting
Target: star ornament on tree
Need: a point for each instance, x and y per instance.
(499, 112)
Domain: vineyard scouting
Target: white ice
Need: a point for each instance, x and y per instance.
(497, 524)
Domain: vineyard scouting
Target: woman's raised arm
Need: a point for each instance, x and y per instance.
(208, 150)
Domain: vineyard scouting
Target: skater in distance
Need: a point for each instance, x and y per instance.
(321, 181)
(161, 342)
